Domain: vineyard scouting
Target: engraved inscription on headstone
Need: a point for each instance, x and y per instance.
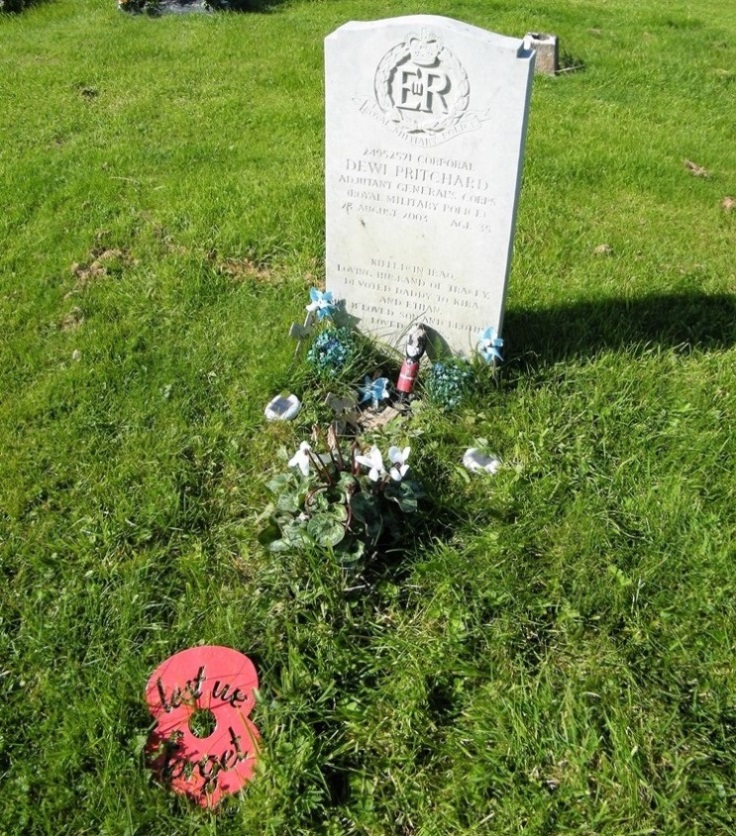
(425, 127)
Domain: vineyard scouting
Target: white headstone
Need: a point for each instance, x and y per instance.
(425, 128)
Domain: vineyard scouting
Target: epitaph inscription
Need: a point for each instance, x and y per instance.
(425, 124)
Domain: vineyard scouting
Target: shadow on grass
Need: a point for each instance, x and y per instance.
(688, 320)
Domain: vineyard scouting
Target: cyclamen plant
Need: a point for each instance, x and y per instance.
(348, 500)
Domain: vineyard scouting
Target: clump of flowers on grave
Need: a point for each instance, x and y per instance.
(489, 345)
(331, 351)
(448, 382)
(347, 498)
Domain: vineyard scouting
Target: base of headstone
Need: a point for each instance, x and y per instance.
(547, 49)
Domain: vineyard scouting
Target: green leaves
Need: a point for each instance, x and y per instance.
(326, 530)
(368, 516)
(405, 494)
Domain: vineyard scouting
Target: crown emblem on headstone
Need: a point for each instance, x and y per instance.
(424, 49)
(421, 88)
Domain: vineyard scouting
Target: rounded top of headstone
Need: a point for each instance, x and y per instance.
(445, 24)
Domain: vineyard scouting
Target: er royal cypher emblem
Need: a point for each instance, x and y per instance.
(422, 92)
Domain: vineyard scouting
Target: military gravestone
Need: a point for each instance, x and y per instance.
(425, 127)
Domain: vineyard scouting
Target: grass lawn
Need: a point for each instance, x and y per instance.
(555, 651)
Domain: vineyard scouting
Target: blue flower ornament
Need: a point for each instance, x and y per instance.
(374, 390)
(489, 344)
(322, 304)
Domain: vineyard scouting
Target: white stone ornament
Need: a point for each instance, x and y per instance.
(477, 461)
(283, 408)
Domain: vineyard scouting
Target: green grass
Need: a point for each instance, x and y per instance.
(555, 653)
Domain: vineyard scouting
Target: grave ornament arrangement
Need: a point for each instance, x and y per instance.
(425, 128)
(203, 745)
(341, 493)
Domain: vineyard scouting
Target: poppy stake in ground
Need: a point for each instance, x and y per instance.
(215, 686)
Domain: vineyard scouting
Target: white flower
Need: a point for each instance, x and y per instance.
(476, 461)
(301, 458)
(374, 462)
(398, 460)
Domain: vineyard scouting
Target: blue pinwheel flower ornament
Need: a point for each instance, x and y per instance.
(374, 390)
(323, 304)
(489, 344)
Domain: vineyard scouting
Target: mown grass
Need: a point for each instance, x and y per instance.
(555, 654)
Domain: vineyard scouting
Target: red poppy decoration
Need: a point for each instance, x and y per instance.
(203, 744)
